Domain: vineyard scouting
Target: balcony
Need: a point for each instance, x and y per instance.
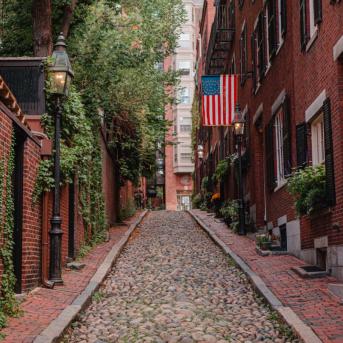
(221, 39)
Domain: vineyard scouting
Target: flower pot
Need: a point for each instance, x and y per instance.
(266, 245)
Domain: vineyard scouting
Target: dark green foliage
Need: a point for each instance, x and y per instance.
(308, 187)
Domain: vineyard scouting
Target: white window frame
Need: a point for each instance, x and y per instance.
(187, 42)
(313, 27)
(317, 140)
(185, 93)
(280, 170)
(281, 39)
(188, 64)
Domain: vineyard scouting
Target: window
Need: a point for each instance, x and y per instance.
(280, 173)
(260, 45)
(317, 141)
(184, 67)
(310, 18)
(271, 42)
(244, 55)
(282, 13)
(186, 157)
(186, 124)
(184, 96)
(185, 41)
(278, 147)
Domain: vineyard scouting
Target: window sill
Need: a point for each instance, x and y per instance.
(280, 46)
(282, 184)
(257, 88)
(312, 40)
(268, 68)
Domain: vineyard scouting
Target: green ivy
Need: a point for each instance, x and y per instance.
(8, 303)
(308, 188)
(222, 170)
(80, 161)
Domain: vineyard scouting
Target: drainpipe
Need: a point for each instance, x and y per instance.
(45, 241)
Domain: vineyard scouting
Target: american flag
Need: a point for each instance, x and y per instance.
(219, 99)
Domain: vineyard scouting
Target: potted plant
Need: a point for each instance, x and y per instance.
(263, 242)
(229, 212)
(216, 203)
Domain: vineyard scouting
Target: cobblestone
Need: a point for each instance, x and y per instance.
(173, 284)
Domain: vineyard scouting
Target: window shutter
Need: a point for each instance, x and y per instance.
(253, 60)
(269, 147)
(301, 141)
(329, 158)
(271, 5)
(287, 143)
(283, 5)
(318, 13)
(303, 34)
(261, 43)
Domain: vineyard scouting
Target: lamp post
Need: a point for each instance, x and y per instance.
(239, 126)
(61, 75)
(200, 151)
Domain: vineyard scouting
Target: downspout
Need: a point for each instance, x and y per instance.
(45, 241)
(45, 222)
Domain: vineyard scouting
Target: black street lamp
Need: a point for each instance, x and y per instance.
(61, 76)
(239, 126)
(200, 151)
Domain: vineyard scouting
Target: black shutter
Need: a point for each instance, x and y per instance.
(329, 159)
(243, 48)
(269, 147)
(271, 5)
(287, 143)
(261, 46)
(283, 5)
(253, 60)
(303, 31)
(318, 13)
(301, 145)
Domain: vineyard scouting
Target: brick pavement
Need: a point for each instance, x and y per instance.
(43, 305)
(308, 298)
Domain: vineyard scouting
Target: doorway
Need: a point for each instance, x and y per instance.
(17, 178)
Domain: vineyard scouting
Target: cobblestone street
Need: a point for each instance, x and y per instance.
(173, 284)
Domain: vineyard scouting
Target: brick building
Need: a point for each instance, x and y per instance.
(288, 55)
(178, 156)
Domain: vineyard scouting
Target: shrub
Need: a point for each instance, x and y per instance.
(128, 210)
(222, 170)
(230, 213)
(308, 187)
(197, 200)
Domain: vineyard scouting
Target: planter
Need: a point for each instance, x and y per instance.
(266, 245)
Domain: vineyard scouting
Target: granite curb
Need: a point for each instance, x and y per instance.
(53, 333)
(304, 332)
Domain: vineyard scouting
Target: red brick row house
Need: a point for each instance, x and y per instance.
(289, 56)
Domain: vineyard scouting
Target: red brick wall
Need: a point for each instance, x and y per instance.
(110, 184)
(5, 140)
(31, 219)
(31, 234)
(315, 71)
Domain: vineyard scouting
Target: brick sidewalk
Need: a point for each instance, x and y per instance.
(308, 298)
(43, 305)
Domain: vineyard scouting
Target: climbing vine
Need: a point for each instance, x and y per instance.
(8, 304)
(80, 160)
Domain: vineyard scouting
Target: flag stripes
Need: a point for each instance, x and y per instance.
(219, 99)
